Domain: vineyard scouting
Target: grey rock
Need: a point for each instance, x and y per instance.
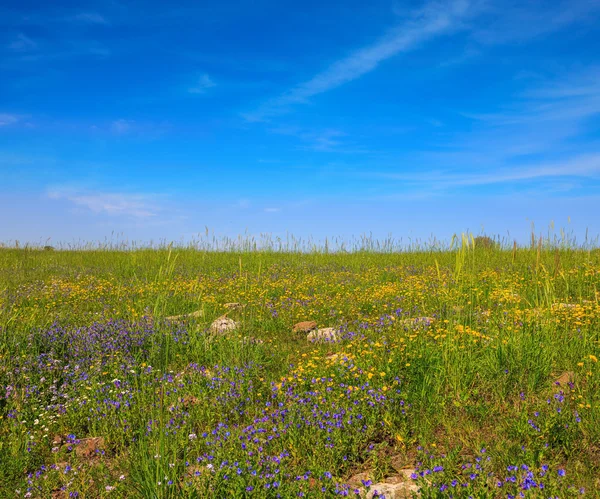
(223, 325)
(326, 334)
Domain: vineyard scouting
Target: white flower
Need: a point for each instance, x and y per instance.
(192, 436)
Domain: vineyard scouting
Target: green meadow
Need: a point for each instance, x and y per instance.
(461, 370)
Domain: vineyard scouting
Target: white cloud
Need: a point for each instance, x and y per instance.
(516, 21)
(203, 83)
(90, 18)
(22, 44)
(8, 119)
(243, 204)
(583, 166)
(328, 140)
(433, 20)
(109, 203)
(121, 126)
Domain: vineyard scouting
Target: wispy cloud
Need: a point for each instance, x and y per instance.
(584, 166)
(89, 18)
(272, 210)
(327, 140)
(568, 86)
(433, 20)
(242, 204)
(542, 119)
(22, 43)
(109, 203)
(534, 138)
(8, 119)
(122, 126)
(203, 83)
(515, 21)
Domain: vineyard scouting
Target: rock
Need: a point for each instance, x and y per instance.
(304, 327)
(233, 306)
(358, 479)
(393, 488)
(251, 340)
(89, 447)
(186, 402)
(196, 314)
(190, 400)
(326, 334)
(223, 325)
(404, 475)
(564, 379)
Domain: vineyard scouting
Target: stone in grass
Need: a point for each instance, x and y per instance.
(223, 325)
(251, 340)
(564, 379)
(90, 447)
(304, 327)
(400, 490)
(324, 335)
(86, 447)
(359, 479)
(234, 306)
(394, 487)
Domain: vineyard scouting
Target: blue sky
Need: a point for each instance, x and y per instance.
(153, 120)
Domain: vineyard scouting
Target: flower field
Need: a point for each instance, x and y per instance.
(470, 372)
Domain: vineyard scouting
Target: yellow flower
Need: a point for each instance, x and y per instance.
(382, 374)
(593, 358)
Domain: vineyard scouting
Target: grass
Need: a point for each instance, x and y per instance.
(465, 396)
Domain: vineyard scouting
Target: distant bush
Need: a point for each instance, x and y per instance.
(48, 248)
(485, 242)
